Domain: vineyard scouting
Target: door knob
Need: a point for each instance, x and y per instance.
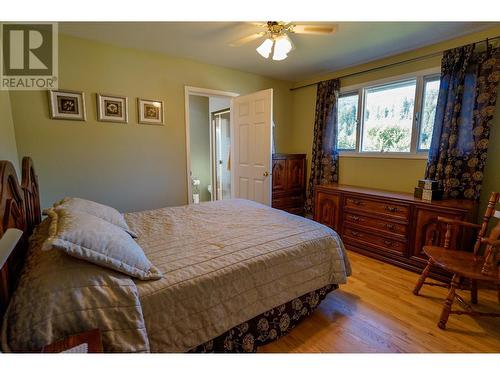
(266, 173)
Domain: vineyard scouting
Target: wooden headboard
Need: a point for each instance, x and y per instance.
(19, 208)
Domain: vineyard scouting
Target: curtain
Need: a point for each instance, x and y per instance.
(464, 114)
(325, 158)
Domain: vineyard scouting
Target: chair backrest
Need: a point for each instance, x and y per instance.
(488, 214)
(492, 248)
(495, 230)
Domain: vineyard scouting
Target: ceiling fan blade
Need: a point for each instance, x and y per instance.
(315, 29)
(246, 39)
(259, 24)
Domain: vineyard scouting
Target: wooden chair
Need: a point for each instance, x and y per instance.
(475, 266)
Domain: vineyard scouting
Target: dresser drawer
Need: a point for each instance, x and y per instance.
(380, 224)
(366, 239)
(388, 209)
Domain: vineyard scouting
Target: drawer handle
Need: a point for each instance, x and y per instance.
(356, 233)
(355, 201)
(355, 218)
(391, 208)
(388, 243)
(390, 226)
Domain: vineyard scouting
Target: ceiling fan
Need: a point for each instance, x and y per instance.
(277, 37)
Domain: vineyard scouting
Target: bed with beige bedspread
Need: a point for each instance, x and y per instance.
(223, 263)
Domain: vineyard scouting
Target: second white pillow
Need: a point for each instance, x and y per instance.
(102, 211)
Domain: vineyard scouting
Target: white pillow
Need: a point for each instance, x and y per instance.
(93, 239)
(102, 211)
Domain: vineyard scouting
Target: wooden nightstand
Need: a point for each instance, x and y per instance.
(91, 338)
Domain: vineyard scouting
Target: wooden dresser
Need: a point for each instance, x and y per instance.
(392, 227)
(289, 182)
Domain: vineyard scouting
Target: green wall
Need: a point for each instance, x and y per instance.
(8, 148)
(129, 166)
(385, 173)
(199, 143)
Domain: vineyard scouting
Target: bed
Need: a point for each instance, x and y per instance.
(236, 275)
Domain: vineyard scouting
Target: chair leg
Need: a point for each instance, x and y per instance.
(473, 292)
(445, 313)
(422, 277)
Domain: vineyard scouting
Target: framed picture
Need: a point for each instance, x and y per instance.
(150, 111)
(67, 105)
(112, 108)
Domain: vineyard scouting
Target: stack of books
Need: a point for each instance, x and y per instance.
(428, 190)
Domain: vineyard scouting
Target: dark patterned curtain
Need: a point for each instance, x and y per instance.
(325, 157)
(464, 113)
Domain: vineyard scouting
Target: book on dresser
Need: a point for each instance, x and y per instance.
(392, 227)
(289, 182)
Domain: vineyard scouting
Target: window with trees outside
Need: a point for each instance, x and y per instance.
(396, 116)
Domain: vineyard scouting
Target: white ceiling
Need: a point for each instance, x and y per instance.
(354, 43)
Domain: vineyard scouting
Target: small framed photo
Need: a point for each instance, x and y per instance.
(67, 105)
(150, 111)
(112, 108)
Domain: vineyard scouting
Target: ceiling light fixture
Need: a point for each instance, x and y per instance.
(280, 46)
(277, 41)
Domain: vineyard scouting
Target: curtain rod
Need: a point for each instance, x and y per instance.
(487, 40)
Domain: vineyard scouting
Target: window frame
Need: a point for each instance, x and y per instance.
(360, 89)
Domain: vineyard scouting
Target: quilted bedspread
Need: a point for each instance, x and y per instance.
(59, 295)
(223, 263)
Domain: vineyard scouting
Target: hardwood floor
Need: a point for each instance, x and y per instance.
(377, 312)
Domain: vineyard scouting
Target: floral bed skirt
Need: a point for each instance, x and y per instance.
(266, 327)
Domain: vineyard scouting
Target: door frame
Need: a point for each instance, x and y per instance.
(198, 91)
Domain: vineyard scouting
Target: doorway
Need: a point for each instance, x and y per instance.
(208, 144)
(228, 145)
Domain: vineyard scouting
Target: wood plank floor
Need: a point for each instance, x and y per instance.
(377, 312)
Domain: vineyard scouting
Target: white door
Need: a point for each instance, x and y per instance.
(251, 122)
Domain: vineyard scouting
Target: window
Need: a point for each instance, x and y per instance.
(388, 117)
(430, 97)
(396, 116)
(347, 121)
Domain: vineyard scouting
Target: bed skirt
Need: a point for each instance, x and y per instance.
(266, 327)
